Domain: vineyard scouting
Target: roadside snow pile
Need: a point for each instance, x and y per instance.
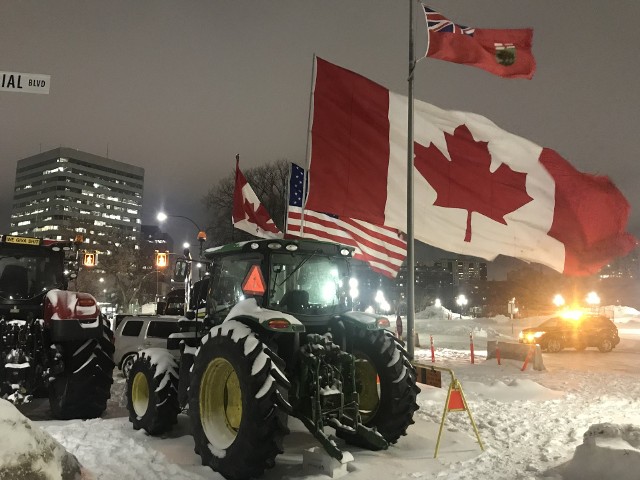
(27, 452)
(608, 451)
(434, 312)
(515, 390)
(112, 450)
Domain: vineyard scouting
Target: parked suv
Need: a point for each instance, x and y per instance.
(587, 331)
(138, 333)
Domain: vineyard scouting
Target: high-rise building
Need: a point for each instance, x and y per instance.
(63, 192)
(464, 268)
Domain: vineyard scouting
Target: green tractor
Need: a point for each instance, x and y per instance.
(278, 339)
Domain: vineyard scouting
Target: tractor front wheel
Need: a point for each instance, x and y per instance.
(152, 391)
(237, 402)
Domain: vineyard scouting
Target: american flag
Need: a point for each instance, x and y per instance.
(381, 247)
(436, 22)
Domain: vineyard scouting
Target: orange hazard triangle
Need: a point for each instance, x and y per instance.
(455, 401)
(253, 283)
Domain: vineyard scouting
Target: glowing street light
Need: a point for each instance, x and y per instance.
(558, 300)
(461, 300)
(593, 299)
(202, 236)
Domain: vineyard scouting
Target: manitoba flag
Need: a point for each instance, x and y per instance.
(248, 213)
(479, 190)
(503, 52)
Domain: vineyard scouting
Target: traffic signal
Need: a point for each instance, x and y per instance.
(162, 259)
(89, 259)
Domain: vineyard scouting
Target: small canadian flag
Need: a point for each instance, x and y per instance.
(248, 213)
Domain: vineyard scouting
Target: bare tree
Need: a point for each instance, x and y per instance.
(269, 182)
(127, 269)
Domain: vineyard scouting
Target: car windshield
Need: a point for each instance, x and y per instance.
(308, 283)
(28, 274)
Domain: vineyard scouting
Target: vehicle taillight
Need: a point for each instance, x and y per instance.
(278, 323)
(86, 302)
(383, 322)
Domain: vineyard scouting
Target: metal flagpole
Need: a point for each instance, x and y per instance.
(233, 228)
(410, 251)
(287, 194)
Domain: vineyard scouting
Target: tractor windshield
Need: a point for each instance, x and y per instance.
(308, 283)
(27, 273)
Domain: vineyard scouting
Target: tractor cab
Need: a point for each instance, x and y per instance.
(305, 278)
(29, 268)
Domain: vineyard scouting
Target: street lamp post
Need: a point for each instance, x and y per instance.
(594, 300)
(202, 236)
(461, 301)
(512, 307)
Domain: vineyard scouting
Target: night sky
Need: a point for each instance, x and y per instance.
(179, 88)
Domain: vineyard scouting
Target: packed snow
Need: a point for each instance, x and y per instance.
(578, 419)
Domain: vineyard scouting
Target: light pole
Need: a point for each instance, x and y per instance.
(558, 300)
(461, 301)
(594, 300)
(438, 304)
(202, 236)
(512, 307)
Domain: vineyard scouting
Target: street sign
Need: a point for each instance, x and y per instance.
(24, 82)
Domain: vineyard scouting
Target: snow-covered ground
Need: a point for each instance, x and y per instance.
(579, 419)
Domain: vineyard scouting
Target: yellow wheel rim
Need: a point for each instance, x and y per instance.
(140, 394)
(220, 403)
(368, 387)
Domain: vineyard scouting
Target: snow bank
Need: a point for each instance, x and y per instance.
(608, 451)
(27, 452)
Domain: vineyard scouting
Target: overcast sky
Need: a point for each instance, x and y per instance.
(180, 87)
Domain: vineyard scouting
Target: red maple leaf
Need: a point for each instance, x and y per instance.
(259, 216)
(466, 181)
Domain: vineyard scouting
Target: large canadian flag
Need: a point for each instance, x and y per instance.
(479, 190)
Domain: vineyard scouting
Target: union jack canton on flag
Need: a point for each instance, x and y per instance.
(436, 22)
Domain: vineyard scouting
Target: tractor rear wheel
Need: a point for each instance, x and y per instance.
(386, 384)
(152, 391)
(83, 388)
(237, 402)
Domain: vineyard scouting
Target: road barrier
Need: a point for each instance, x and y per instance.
(433, 352)
(455, 402)
(471, 347)
(515, 351)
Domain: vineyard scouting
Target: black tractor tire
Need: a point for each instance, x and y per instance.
(152, 391)
(237, 402)
(383, 358)
(83, 388)
(126, 363)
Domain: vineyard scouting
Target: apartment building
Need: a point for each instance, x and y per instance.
(64, 192)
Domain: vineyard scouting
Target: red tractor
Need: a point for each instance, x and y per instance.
(52, 341)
